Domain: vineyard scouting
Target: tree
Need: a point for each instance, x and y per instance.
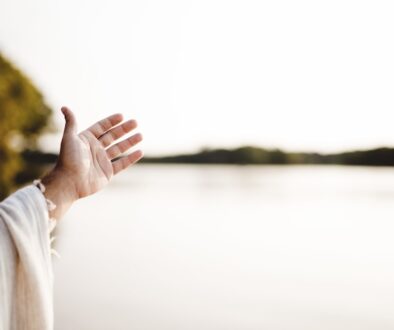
(24, 115)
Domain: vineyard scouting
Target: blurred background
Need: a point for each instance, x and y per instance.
(265, 199)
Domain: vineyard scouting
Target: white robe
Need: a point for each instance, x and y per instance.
(26, 277)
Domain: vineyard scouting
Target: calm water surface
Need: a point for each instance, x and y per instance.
(230, 247)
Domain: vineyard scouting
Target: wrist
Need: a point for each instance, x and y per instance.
(59, 189)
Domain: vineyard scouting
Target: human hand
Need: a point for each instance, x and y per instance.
(88, 160)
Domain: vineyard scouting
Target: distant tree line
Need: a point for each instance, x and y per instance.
(250, 155)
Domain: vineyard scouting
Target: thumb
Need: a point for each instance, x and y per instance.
(71, 123)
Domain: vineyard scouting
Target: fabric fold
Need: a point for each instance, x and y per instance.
(26, 275)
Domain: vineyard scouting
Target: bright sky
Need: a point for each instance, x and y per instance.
(299, 75)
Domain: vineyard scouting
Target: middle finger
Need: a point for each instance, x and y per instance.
(117, 132)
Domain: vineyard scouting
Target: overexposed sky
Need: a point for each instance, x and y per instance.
(299, 75)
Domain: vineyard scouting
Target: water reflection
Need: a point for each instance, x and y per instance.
(231, 247)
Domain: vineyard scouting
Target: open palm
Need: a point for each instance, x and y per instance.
(93, 156)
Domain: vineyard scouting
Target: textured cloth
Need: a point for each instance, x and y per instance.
(26, 278)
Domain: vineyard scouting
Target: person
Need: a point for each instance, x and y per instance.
(86, 163)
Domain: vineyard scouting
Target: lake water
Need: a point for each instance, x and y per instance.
(230, 247)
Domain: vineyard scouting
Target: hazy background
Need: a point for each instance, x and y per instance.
(222, 246)
(300, 75)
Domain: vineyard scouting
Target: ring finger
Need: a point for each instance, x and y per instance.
(122, 146)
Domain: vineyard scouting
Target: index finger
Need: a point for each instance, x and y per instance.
(105, 124)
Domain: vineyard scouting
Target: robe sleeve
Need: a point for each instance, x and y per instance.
(26, 277)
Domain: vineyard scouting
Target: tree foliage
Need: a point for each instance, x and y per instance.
(24, 115)
(250, 155)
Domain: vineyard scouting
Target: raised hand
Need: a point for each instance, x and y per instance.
(88, 160)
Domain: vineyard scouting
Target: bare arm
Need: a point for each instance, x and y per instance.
(85, 163)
